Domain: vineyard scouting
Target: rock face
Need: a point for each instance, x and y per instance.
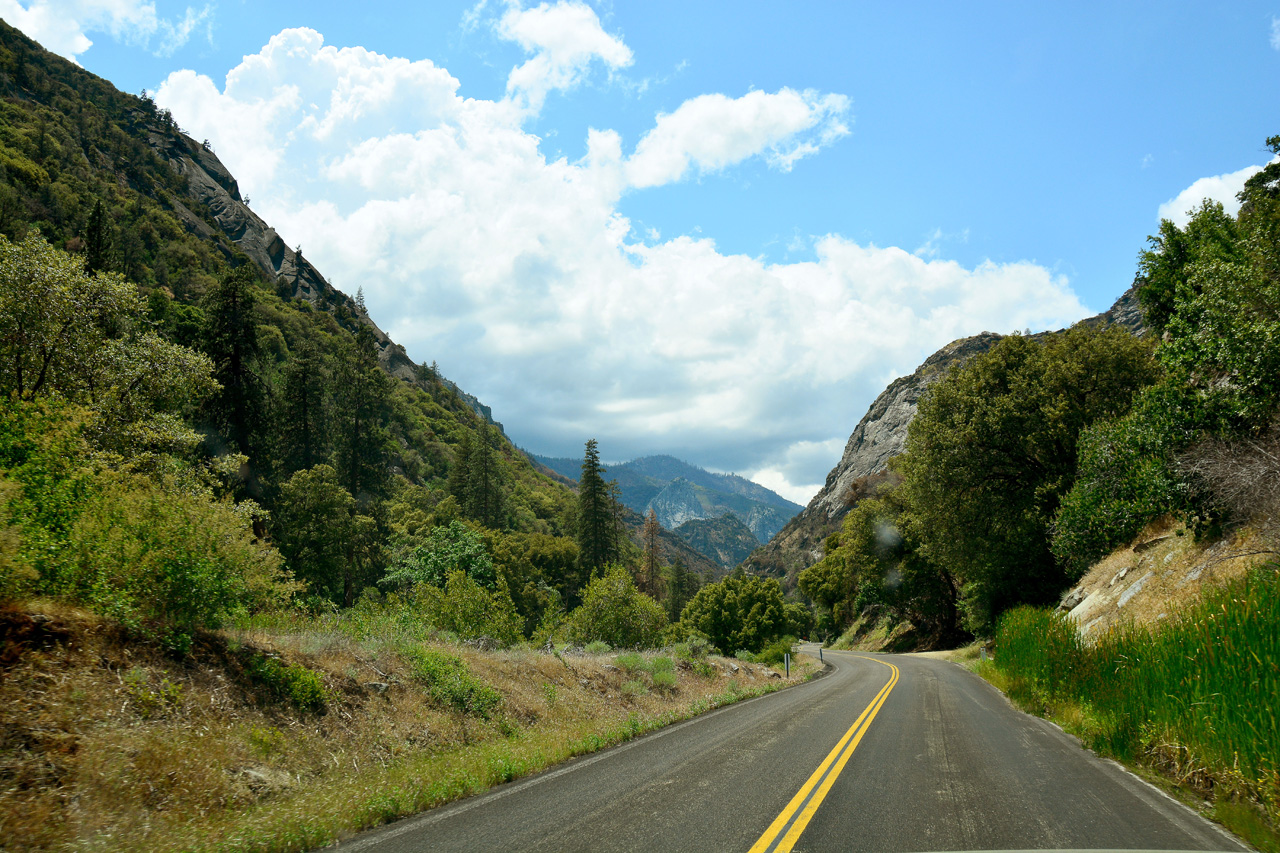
(726, 539)
(212, 186)
(882, 432)
(880, 435)
(676, 504)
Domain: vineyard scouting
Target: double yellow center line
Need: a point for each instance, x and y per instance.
(785, 830)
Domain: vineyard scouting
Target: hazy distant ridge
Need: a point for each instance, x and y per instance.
(679, 492)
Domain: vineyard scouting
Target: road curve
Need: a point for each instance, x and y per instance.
(938, 761)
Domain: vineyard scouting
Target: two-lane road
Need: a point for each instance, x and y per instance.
(885, 753)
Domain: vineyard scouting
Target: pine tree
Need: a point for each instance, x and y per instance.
(99, 244)
(230, 338)
(599, 539)
(682, 586)
(488, 483)
(649, 577)
(362, 403)
(304, 422)
(460, 472)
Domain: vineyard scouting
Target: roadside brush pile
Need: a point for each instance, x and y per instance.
(288, 732)
(1191, 697)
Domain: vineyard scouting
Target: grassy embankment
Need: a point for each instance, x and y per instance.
(1190, 700)
(286, 733)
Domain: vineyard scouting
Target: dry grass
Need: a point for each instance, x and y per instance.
(967, 656)
(109, 744)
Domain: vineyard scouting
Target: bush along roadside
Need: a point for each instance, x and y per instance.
(1191, 698)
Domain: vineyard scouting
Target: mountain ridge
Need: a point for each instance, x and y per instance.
(678, 492)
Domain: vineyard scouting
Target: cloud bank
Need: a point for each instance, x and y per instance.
(521, 276)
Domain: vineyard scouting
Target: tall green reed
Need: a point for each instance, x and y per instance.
(1206, 681)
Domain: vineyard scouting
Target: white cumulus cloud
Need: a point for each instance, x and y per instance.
(1219, 188)
(62, 26)
(711, 132)
(564, 38)
(520, 275)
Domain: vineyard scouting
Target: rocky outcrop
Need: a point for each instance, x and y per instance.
(214, 207)
(676, 504)
(882, 432)
(726, 539)
(881, 435)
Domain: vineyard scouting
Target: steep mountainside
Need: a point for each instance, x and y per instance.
(678, 492)
(198, 191)
(727, 539)
(176, 222)
(880, 435)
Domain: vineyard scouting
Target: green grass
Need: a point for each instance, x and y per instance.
(1193, 697)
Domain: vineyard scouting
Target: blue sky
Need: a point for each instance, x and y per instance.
(711, 230)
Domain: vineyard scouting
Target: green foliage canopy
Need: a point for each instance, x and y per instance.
(615, 612)
(993, 448)
(741, 612)
(454, 547)
(84, 338)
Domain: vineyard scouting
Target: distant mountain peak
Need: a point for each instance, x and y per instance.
(679, 493)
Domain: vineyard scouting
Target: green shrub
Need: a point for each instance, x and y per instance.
(740, 612)
(775, 653)
(1125, 479)
(469, 610)
(664, 681)
(168, 562)
(293, 683)
(450, 548)
(148, 701)
(661, 664)
(695, 648)
(44, 459)
(703, 669)
(597, 647)
(450, 683)
(615, 612)
(634, 688)
(631, 662)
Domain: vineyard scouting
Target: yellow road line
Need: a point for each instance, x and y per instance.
(795, 817)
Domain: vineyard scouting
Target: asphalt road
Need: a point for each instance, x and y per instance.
(885, 753)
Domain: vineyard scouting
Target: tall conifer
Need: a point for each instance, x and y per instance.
(598, 535)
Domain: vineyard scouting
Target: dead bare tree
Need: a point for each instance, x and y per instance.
(1241, 476)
